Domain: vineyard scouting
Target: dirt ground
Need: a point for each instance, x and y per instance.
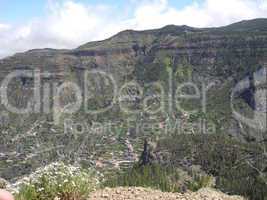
(149, 194)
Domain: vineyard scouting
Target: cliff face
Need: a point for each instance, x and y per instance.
(222, 57)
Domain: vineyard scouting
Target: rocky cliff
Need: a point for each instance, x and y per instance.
(215, 60)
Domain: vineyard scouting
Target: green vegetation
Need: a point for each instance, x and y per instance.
(239, 168)
(63, 182)
(153, 176)
(166, 179)
(169, 56)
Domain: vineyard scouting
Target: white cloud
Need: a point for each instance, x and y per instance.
(4, 27)
(69, 24)
(209, 13)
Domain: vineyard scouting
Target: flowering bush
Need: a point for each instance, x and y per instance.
(3, 183)
(59, 181)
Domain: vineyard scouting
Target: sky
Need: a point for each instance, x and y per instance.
(30, 24)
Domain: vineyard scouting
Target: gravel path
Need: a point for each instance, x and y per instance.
(149, 194)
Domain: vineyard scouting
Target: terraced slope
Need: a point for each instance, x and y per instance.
(218, 56)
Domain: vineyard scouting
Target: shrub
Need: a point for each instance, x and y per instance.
(200, 181)
(238, 167)
(166, 179)
(152, 176)
(3, 183)
(58, 182)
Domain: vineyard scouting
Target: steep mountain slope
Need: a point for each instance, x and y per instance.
(221, 57)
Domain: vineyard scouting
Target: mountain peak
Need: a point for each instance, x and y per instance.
(259, 24)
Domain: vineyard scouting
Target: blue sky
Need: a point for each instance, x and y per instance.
(19, 10)
(29, 24)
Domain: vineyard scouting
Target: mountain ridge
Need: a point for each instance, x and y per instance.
(221, 57)
(249, 25)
